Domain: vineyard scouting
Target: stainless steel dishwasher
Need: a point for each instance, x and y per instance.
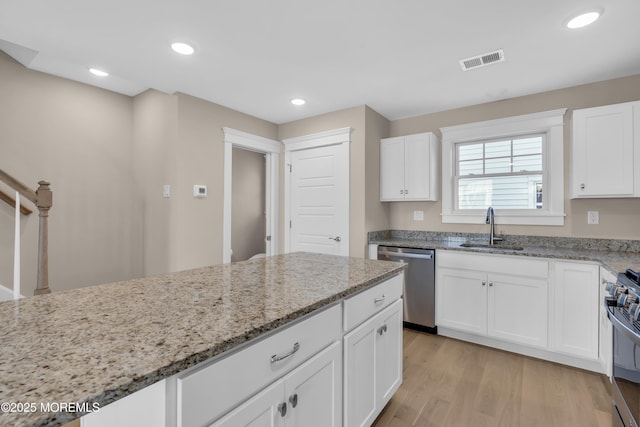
(419, 285)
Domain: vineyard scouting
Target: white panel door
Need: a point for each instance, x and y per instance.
(416, 167)
(461, 300)
(319, 206)
(392, 169)
(265, 409)
(314, 390)
(517, 309)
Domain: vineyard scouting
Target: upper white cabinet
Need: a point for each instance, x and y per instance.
(409, 168)
(605, 146)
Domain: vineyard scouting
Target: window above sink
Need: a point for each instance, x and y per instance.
(514, 164)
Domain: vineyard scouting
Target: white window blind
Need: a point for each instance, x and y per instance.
(504, 173)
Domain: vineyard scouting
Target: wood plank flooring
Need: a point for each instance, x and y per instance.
(447, 382)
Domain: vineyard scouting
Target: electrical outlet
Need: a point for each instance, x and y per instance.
(593, 217)
(418, 215)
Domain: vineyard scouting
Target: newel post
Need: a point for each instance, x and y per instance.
(44, 203)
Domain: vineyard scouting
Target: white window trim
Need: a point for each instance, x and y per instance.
(551, 123)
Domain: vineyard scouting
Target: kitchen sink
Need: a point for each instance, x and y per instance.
(494, 246)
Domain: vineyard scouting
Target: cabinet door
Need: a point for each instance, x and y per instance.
(576, 309)
(517, 308)
(359, 375)
(388, 354)
(266, 409)
(606, 328)
(416, 167)
(313, 392)
(392, 169)
(462, 300)
(602, 152)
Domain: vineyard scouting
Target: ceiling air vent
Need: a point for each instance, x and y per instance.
(482, 60)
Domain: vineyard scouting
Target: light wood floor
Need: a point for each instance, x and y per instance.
(447, 382)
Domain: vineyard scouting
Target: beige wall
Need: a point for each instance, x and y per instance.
(80, 139)
(180, 143)
(248, 204)
(377, 212)
(619, 218)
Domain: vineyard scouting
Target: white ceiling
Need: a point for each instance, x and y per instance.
(400, 57)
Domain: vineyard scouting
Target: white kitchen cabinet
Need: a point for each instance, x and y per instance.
(517, 309)
(575, 305)
(310, 395)
(200, 398)
(487, 295)
(604, 148)
(605, 326)
(409, 168)
(144, 408)
(373, 365)
(462, 300)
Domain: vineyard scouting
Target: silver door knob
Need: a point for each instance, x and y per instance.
(337, 238)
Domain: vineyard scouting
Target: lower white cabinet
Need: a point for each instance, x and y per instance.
(310, 395)
(487, 295)
(142, 408)
(576, 309)
(373, 366)
(605, 327)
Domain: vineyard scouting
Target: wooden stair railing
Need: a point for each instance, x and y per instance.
(43, 199)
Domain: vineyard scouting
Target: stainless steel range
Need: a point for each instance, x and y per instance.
(624, 312)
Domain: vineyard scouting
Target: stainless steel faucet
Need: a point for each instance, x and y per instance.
(491, 221)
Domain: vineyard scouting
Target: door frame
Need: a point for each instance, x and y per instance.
(341, 137)
(271, 150)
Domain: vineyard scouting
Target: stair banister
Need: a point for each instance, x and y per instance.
(43, 199)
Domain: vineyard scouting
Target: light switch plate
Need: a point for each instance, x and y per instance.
(166, 190)
(418, 215)
(593, 217)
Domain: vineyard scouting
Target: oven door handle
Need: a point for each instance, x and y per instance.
(623, 328)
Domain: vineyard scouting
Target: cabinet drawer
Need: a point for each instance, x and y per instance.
(493, 263)
(213, 389)
(360, 307)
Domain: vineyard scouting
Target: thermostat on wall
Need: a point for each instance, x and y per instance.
(200, 191)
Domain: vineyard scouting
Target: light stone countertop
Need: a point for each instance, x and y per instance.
(615, 255)
(101, 343)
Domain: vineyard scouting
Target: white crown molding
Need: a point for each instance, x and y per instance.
(320, 139)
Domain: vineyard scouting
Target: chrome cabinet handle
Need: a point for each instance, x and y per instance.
(484, 283)
(379, 300)
(293, 400)
(382, 329)
(276, 358)
(282, 408)
(337, 238)
(582, 186)
(490, 283)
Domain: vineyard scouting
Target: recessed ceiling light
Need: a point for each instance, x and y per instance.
(583, 20)
(182, 48)
(97, 72)
(298, 101)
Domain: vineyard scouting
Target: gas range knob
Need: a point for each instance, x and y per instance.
(632, 298)
(633, 310)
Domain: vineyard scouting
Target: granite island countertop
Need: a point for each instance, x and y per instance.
(101, 343)
(615, 255)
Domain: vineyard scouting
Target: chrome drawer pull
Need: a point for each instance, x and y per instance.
(382, 329)
(379, 300)
(276, 358)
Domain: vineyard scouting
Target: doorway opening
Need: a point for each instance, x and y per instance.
(270, 150)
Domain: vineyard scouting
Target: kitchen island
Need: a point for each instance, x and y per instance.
(99, 344)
